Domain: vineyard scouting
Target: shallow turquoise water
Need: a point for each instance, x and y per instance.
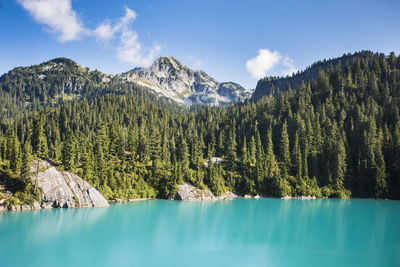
(264, 232)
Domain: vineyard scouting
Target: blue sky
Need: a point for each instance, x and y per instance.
(238, 41)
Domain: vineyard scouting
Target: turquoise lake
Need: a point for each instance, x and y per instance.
(242, 232)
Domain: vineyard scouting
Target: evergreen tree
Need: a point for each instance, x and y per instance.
(68, 151)
(39, 143)
(25, 171)
(183, 153)
(297, 162)
(284, 153)
(271, 168)
(13, 152)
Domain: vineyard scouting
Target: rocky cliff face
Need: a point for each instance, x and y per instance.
(59, 189)
(188, 192)
(170, 78)
(62, 189)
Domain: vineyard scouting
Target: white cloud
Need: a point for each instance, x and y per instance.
(105, 31)
(129, 50)
(271, 63)
(57, 15)
(62, 20)
(198, 64)
(289, 67)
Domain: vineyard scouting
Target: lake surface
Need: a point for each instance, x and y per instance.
(242, 232)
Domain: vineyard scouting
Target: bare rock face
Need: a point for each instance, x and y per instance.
(188, 192)
(170, 78)
(61, 189)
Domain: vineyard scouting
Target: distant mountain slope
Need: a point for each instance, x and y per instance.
(273, 85)
(47, 84)
(170, 78)
(61, 79)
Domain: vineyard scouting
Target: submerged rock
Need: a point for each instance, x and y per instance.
(188, 192)
(36, 206)
(306, 197)
(228, 195)
(299, 197)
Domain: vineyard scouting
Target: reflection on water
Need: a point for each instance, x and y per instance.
(241, 232)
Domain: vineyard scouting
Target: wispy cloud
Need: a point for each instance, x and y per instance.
(129, 50)
(198, 64)
(106, 30)
(63, 21)
(270, 63)
(57, 15)
(194, 62)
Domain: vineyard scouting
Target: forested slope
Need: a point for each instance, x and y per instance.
(338, 136)
(55, 82)
(273, 85)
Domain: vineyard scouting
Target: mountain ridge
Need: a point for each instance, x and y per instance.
(273, 85)
(171, 78)
(60, 79)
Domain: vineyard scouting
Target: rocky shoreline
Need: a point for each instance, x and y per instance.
(188, 192)
(59, 189)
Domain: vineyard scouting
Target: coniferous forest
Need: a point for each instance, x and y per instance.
(337, 135)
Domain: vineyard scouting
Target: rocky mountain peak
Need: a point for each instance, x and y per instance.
(169, 62)
(170, 78)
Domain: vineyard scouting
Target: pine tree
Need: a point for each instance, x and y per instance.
(339, 162)
(216, 182)
(221, 143)
(143, 146)
(13, 152)
(155, 148)
(196, 155)
(25, 171)
(244, 158)
(297, 167)
(271, 167)
(253, 150)
(100, 166)
(380, 189)
(88, 164)
(284, 153)
(165, 153)
(3, 148)
(260, 160)
(183, 153)
(230, 150)
(68, 151)
(39, 143)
